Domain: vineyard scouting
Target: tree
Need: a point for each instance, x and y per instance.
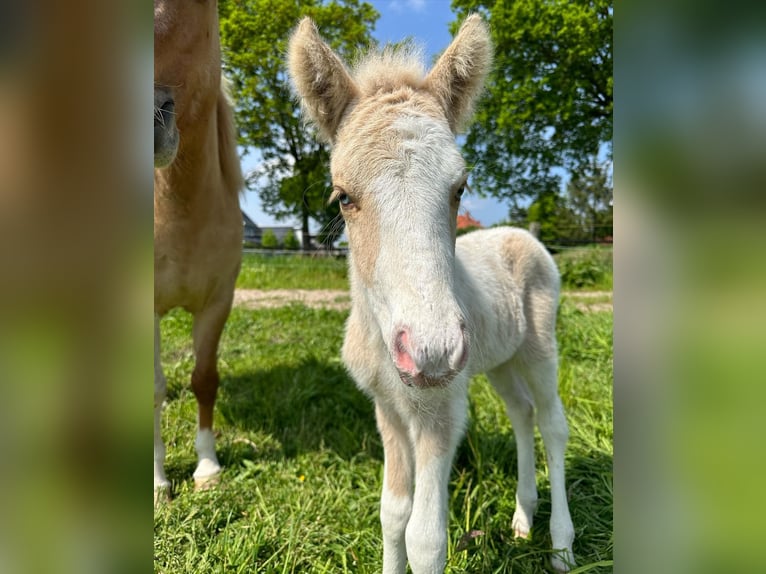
(589, 194)
(293, 179)
(548, 104)
(269, 240)
(290, 241)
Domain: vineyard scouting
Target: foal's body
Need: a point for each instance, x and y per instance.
(197, 221)
(507, 287)
(427, 312)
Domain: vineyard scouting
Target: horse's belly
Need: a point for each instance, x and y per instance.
(190, 285)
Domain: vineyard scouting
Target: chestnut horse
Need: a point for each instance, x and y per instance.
(197, 221)
(427, 312)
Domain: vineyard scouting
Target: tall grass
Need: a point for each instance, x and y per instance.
(302, 458)
(586, 268)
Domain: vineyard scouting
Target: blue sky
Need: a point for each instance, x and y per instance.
(427, 21)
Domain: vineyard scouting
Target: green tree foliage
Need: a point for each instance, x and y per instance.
(548, 103)
(290, 241)
(269, 240)
(293, 179)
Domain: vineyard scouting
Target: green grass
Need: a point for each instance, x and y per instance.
(303, 461)
(587, 268)
(292, 272)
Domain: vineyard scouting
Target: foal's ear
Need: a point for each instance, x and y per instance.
(319, 78)
(458, 76)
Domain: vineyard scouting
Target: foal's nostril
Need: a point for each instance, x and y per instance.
(404, 360)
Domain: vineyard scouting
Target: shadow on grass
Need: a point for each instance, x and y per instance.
(301, 408)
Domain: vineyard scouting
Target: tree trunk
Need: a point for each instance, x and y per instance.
(305, 237)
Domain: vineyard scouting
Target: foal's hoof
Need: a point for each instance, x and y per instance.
(519, 532)
(207, 482)
(563, 560)
(521, 526)
(161, 494)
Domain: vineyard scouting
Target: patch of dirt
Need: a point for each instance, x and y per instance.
(590, 301)
(339, 300)
(316, 298)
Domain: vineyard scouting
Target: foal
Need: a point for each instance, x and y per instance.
(197, 221)
(427, 313)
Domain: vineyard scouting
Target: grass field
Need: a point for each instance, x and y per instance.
(587, 268)
(303, 461)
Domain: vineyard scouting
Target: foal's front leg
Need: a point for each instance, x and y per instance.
(396, 498)
(435, 438)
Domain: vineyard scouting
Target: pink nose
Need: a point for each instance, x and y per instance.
(429, 365)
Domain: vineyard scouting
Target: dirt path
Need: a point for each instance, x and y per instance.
(590, 301)
(340, 300)
(316, 298)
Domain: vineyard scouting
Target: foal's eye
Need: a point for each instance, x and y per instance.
(459, 193)
(345, 200)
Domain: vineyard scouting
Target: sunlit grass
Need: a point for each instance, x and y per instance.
(302, 458)
(292, 272)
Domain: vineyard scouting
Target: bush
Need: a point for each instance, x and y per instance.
(585, 268)
(290, 241)
(269, 240)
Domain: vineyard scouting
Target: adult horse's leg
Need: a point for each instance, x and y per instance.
(161, 483)
(396, 498)
(543, 383)
(511, 386)
(206, 332)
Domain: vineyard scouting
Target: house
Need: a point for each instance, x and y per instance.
(253, 233)
(465, 221)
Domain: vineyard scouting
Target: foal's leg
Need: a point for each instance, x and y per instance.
(206, 332)
(511, 386)
(396, 499)
(161, 483)
(435, 437)
(543, 383)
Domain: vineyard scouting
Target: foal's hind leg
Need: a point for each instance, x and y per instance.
(542, 379)
(511, 387)
(206, 332)
(161, 483)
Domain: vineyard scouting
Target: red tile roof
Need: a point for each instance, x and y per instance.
(465, 220)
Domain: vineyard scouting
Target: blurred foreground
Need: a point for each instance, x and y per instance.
(75, 287)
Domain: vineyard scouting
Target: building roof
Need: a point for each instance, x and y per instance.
(465, 220)
(247, 221)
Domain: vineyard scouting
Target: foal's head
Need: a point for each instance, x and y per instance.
(398, 176)
(186, 69)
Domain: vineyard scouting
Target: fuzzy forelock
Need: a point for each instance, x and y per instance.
(388, 69)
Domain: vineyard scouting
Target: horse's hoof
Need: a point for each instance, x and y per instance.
(207, 482)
